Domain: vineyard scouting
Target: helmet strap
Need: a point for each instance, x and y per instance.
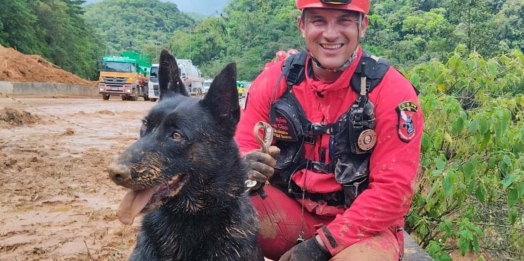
(359, 24)
(339, 69)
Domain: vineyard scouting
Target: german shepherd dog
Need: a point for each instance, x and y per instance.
(185, 172)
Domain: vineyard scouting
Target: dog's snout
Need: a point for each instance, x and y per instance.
(118, 173)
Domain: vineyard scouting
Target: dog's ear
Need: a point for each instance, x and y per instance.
(168, 76)
(222, 98)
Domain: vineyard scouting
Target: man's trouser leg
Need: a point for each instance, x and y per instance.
(280, 226)
(280, 222)
(383, 246)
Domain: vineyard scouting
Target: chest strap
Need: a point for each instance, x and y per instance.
(296, 130)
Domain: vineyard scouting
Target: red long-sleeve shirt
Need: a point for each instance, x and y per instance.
(393, 163)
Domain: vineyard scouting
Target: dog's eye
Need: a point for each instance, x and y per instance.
(177, 135)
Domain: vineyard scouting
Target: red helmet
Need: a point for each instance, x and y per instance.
(292, 51)
(281, 55)
(361, 6)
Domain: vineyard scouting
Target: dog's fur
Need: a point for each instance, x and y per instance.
(187, 153)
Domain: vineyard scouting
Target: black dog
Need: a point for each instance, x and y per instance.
(186, 173)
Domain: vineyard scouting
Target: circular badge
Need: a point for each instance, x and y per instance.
(367, 140)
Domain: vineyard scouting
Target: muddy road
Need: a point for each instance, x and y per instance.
(56, 202)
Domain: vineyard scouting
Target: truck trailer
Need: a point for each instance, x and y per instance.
(189, 74)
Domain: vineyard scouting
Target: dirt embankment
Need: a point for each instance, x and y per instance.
(19, 67)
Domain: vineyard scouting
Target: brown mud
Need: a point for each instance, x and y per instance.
(56, 201)
(19, 67)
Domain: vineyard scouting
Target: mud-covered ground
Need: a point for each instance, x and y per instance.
(56, 202)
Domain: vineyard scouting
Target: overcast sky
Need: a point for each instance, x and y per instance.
(205, 7)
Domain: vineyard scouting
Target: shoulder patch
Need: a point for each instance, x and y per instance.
(406, 120)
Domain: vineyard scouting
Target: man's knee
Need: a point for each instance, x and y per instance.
(279, 225)
(381, 247)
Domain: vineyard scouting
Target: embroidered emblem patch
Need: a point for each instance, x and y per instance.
(406, 116)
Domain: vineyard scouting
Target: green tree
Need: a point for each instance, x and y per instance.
(135, 23)
(470, 193)
(17, 26)
(426, 36)
(70, 43)
(249, 32)
(475, 26)
(510, 25)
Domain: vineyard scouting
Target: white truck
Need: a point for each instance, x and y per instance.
(190, 75)
(153, 90)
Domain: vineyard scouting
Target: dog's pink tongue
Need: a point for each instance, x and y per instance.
(132, 204)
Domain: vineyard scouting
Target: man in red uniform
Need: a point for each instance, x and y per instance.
(349, 128)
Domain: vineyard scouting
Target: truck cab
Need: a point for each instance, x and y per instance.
(153, 90)
(125, 76)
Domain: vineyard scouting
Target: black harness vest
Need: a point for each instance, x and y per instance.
(352, 136)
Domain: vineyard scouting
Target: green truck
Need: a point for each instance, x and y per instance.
(125, 76)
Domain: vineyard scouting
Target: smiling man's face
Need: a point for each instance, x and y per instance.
(331, 35)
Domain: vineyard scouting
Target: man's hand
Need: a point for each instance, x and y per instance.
(308, 250)
(261, 165)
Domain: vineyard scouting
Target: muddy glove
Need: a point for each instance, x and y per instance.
(261, 166)
(308, 250)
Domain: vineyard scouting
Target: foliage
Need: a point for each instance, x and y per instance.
(407, 32)
(136, 24)
(510, 25)
(470, 195)
(69, 41)
(17, 24)
(54, 29)
(248, 32)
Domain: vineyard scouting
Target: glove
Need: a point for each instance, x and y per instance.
(261, 166)
(309, 250)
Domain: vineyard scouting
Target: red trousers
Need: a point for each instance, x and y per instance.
(280, 227)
